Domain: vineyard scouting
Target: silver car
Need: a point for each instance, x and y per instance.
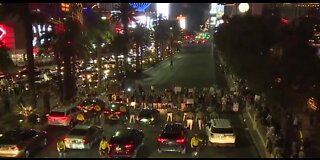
(83, 136)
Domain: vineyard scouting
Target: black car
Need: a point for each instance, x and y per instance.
(148, 116)
(115, 111)
(22, 142)
(126, 143)
(173, 138)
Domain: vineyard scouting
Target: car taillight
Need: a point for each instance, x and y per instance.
(106, 112)
(128, 146)
(161, 140)
(84, 140)
(180, 140)
(15, 148)
(110, 145)
(118, 112)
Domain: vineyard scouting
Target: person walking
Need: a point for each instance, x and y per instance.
(104, 147)
(61, 148)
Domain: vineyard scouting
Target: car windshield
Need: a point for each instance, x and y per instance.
(78, 132)
(171, 135)
(57, 114)
(221, 130)
(145, 113)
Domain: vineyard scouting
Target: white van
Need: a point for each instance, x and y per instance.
(220, 133)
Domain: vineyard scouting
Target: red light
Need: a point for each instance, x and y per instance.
(284, 20)
(180, 140)
(118, 112)
(84, 140)
(161, 140)
(110, 145)
(106, 112)
(16, 148)
(69, 42)
(128, 145)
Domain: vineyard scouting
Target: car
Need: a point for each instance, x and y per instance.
(83, 136)
(220, 132)
(88, 104)
(22, 142)
(173, 138)
(113, 111)
(126, 142)
(64, 116)
(148, 116)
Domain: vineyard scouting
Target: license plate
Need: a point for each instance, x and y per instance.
(170, 142)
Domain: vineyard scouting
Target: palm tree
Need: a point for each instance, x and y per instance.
(141, 38)
(6, 61)
(116, 47)
(21, 12)
(125, 15)
(158, 19)
(99, 33)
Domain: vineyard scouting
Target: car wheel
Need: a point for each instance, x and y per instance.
(135, 154)
(44, 142)
(159, 150)
(26, 153)
(184, 150)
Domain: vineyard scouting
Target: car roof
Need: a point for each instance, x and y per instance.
(82, 127)
(173, 127)
(62, 109)
(221, 123)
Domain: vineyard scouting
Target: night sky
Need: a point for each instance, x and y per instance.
(196, 13)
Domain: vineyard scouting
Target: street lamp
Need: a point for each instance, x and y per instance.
(243, 7)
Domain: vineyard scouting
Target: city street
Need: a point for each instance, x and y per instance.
(194, 66)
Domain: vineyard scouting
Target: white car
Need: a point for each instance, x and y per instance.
(83, 136)
(220, 133)
(64, 116)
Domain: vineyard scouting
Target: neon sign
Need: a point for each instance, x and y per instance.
(2, 32)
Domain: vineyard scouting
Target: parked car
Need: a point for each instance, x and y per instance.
(83, 136)
(64, 116)
(220, 132)
(126, 143)
(22, 142)
(173, 138)
(148, 116)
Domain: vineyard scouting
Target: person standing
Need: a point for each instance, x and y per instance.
(132, 115)
(169, 114)
(190, 118)
(199, 119)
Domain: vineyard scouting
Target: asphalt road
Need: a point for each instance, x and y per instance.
(193, 67)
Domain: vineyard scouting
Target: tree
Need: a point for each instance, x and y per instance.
(116, 47)
(140, 37)
(99, 32)
(21, 12)
(125, 15)
(6, 61)
(274, 58)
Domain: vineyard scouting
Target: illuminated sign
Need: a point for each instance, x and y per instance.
(2, 32)
(38, 31)
(7, 36)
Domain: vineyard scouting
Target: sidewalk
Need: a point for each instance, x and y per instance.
(258, 136)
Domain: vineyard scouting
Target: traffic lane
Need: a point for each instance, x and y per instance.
(243, 149)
